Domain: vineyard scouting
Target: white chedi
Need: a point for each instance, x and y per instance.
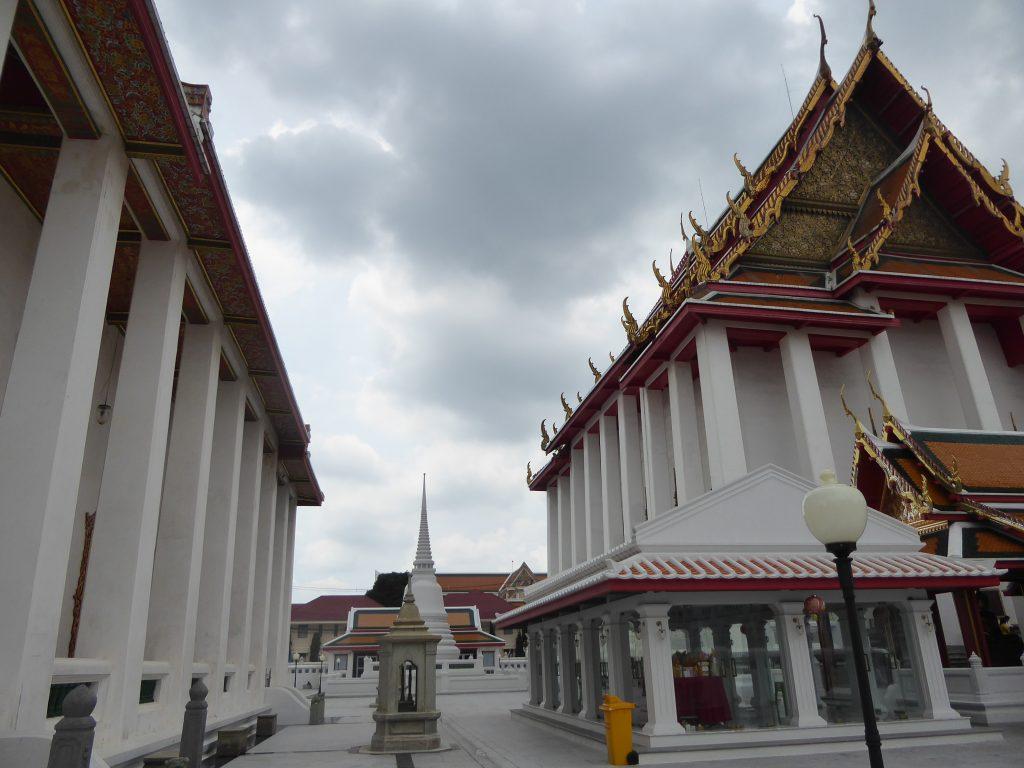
(427, 592)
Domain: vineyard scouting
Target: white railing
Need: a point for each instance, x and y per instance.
(988, 695)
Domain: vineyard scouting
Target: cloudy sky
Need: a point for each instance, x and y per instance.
(446, 201)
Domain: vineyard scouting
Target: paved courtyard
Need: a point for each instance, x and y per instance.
(483, 735)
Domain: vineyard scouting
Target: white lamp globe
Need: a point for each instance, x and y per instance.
(835, 513)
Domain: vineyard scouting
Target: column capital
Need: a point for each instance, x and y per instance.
(653, 610)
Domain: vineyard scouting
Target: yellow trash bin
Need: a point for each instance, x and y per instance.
(618, 729)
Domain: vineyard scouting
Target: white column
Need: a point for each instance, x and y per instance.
(596, 543)
(7, 9)
(968, 369)
(796, 659)
(630, 449)
(611, 482)
(566, 672)
(661, 693)
(535, 656)
(925, 647)
(262, 589)
(277, 648)
(589, 670)
(289, 573)
(219, 537)
(813, 448)
(174, 597)
(726, 459)
(578, 500)
(552, 498)
(550, 642)
(657, 471)
(565, 522)
(686, 453)
(242, 583)
(877, 358)
(46, 412)
(115, 608)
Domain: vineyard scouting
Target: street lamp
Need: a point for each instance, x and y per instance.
(837, 515)
(295, 669)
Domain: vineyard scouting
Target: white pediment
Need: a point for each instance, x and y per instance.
(762, 511)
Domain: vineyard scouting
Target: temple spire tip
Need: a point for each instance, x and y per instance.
(824, 70)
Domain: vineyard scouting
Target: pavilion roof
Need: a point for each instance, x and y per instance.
(165, 126)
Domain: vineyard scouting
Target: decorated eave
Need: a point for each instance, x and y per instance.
(928, 478)
(713, 280)
(165, 126)
(367, 638)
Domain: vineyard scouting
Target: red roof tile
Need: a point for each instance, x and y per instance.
(330, 608)
(489, 605)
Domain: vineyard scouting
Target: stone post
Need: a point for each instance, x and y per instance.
(630, 463)
(590, 669)
(564, 524)
(686, 451)
(969, 375)
(618, 657)
(596, 543)
(71, 746)
(726, 458)
(925, 650)
(578, 505)
(657, 468)
(813, 448)
(661, 694)
(611, 481)
(193, 728)
(796, 659)
(553, 543)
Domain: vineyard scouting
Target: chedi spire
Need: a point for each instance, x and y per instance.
(424, 558)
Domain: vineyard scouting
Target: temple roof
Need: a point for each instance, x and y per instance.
(367, 625)
(866, 187)
(165, 126)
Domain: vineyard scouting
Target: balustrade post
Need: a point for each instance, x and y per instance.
(193, 729)
(73, 735)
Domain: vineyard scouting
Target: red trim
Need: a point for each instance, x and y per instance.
(629, 586)
(948, 285)
(170, 83)
(912, 309)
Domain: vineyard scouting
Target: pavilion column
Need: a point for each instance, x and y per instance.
(277, 643)
(972, 382)
(661, 692)
(535, 660)
(115, 608)
(925, 648)
(726, 459)
(566, 670)
(564, 523)
(618, 656)
(289, 574)
(611, 482)
(796, 660)
(630, 464)
(720, 632)
(657, 472)
(46, 410)
(596, 543)
(814, 450)
(686, 453)
(589, 670)
(219, 537)
(550, 643)
(553, 544)
(578, 502)
(174, 597)
(242, 582)
(263, 570)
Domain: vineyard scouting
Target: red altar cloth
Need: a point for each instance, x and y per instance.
(702, 698)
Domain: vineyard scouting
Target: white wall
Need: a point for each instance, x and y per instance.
(833, 372)
(19, 235)
(768, 436)
(699, 399)
(1007, 383)
(925, 375)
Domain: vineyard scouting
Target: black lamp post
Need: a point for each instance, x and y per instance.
(837, 515)
(295, 669)
(320, 679)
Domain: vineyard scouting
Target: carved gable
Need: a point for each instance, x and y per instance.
(924, 227)
(803, 237)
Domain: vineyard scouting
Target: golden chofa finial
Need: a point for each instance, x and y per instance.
(628, 321)
(858, 428)
(856, 260)
(748, 179)
(1004, 180)
(886, 413)
(662, 282)
(928, 94)
(545, 438)
(671, 266)
(869, 31)
(554, 428)
(566, 407)
(611, 357)
(824, 70)
(743, 225)
(682, 232)
(593, 369)
(579, 398)
(697, 229)
(529, 474)
(954, 475)
(886, 208)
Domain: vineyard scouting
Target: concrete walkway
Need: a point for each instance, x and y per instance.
(483, 735)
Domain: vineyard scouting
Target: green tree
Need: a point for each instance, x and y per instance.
(389, 588)
(314, 647)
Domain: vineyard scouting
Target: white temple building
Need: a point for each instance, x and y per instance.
(152, 451)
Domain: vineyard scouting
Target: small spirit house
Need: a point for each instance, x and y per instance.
(406, 713)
